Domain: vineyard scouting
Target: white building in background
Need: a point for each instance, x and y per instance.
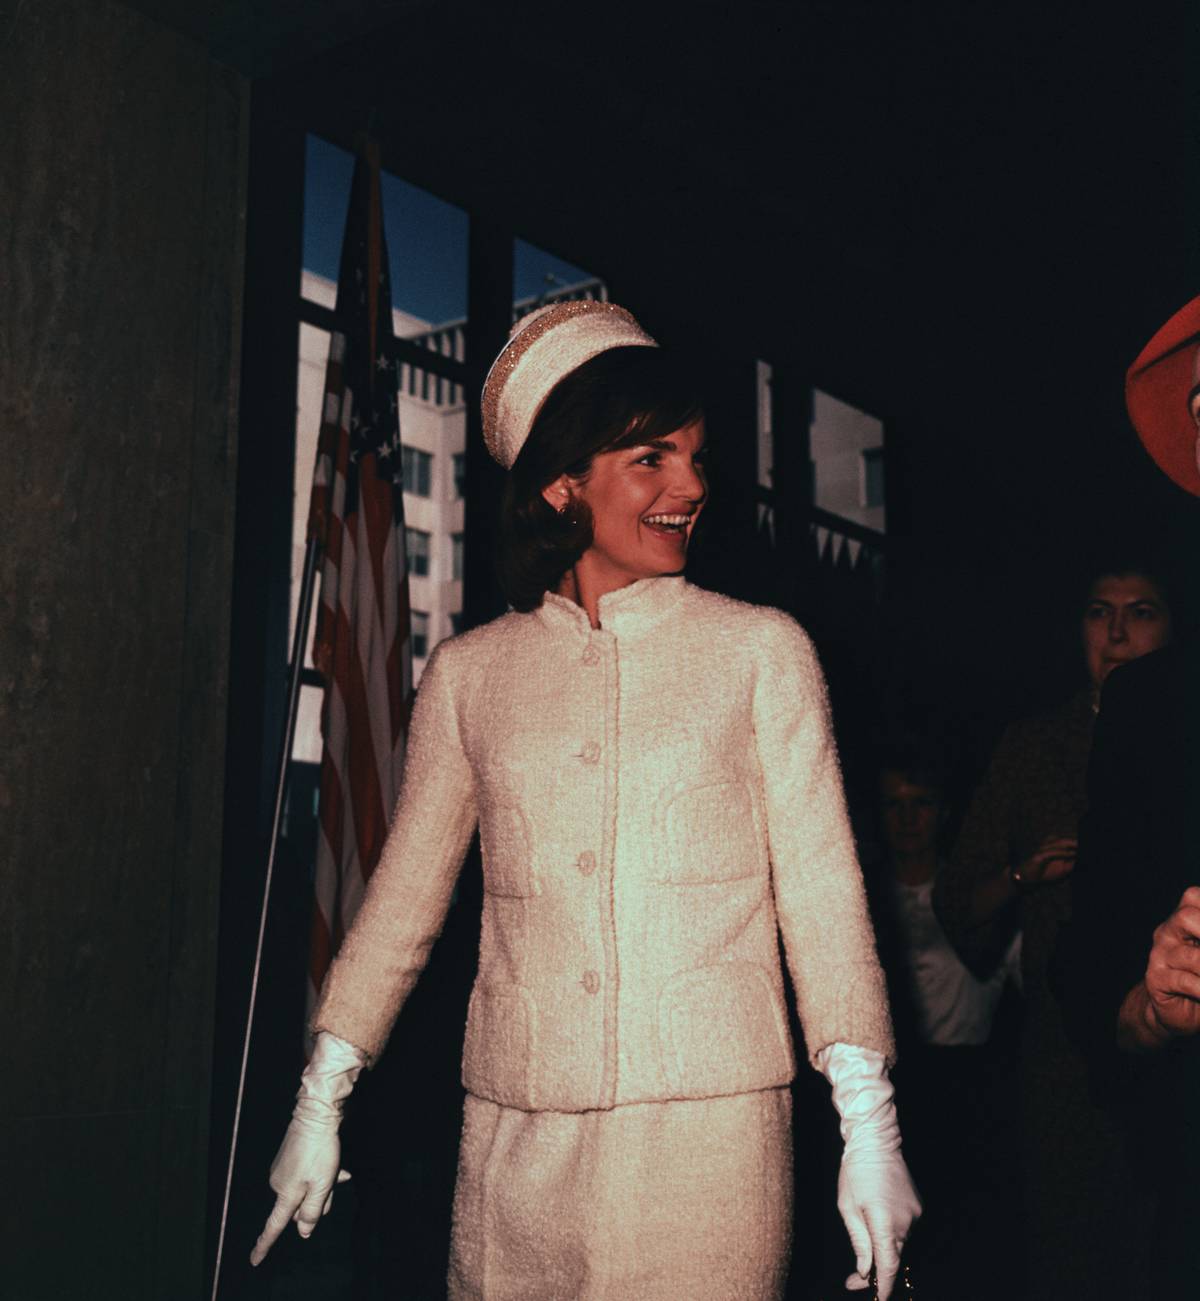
(433, 433)
(846, 446)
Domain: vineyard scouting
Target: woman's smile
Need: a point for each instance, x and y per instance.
(672, 526)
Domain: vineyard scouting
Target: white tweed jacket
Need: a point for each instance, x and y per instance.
(654, 797)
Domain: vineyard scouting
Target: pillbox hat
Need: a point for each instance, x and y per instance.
(544, 347)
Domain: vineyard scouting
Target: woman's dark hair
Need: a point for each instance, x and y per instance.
(621, 398)
(918, 760)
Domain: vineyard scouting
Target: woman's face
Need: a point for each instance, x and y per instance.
(644, 502)
(1125, 617)
(912, 814)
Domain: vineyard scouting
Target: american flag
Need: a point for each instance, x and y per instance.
(362, 645)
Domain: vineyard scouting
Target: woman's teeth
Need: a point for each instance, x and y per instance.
(673, 522)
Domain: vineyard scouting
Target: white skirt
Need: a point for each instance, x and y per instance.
(655, 1201)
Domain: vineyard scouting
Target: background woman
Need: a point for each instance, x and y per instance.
(651, 770)
(953, 1082)
(1011, 870)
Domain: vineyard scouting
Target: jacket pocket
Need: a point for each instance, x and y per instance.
(722, 1030)
(507, 850)
(499, 1047)
(710, 833)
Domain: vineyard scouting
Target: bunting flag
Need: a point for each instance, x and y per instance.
(362, 644)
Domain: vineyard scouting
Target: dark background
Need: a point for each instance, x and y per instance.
(963, 218)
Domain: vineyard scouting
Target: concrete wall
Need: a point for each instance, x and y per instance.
(122, 181)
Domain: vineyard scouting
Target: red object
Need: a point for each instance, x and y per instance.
(1157, 386)
(363, 635)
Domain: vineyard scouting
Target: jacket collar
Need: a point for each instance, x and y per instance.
(627, 612)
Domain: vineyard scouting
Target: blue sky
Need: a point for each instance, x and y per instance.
(426, 237)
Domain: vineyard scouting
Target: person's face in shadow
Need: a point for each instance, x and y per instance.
(912, 817)
(1125, 617)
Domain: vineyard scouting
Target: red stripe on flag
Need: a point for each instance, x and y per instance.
(363, 641)
(370, 817)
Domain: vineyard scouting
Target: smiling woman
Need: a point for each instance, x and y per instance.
(604, 451)
(646, 839)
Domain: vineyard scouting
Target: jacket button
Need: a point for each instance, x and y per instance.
(591, 752)
(591, 982)
(591, 656)
(586, 862)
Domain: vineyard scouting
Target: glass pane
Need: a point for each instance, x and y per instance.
(872, 467)
(328, 171)
(416, 543)
(426, 239)
(841, 436)
(763, 375)
(418, 470)
(307, 747)
(540, 277)
(310, 390)
(427, 255)
(420, 634)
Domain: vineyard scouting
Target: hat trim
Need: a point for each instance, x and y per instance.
(519, 345)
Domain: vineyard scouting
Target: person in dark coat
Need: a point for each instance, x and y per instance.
(1012, 870)
(1128, 965)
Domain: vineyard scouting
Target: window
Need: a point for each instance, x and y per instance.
(427, 239)
(456, 622)
(417, 543)
(540, 277)
(420, 634)
(872, 477)
(460, 475)
(456, 557)
(418, 469)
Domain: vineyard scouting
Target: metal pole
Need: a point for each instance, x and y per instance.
(296, 670)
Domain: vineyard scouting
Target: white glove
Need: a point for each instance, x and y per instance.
(876, 1196)
(308, 1161)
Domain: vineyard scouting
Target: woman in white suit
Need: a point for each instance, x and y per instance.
(652, 773)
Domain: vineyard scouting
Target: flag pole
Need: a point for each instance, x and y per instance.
(295, 674)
